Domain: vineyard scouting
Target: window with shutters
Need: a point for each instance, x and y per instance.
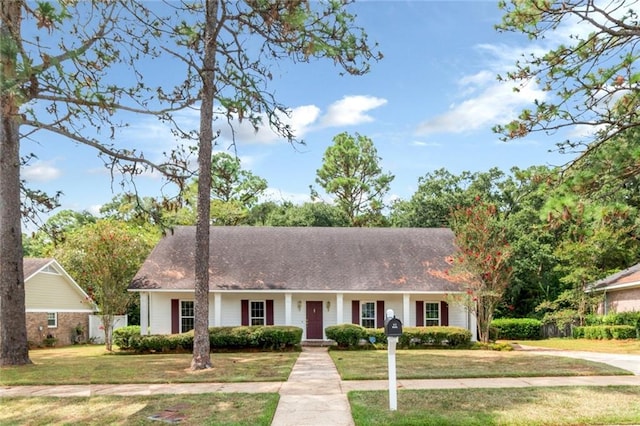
(368, 314)
(257, 312)
(431, 313)
(187, 316)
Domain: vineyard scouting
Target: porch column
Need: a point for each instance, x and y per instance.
(406, 310)
(217, 309)
(144, 313)
(339, 308)
(287, 309)
(473, 325)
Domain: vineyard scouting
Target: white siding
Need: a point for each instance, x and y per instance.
(230, 315)
(52, 292)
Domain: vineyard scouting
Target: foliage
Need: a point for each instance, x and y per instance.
(481, 261)
(437, 336)
(590, 71)
(631, 318)
(123, 336)
(605, 332)
(517, 328)
(346, 335)
(351, 173)
(308, 214)
(103, 258)
(492, 346)
(220, 338)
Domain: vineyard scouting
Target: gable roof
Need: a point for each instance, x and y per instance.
(32, 265)
(304, 259)
(627, 278)
(49, 287)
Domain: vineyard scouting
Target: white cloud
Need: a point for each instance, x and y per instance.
(351, 110)
(41, 171)
(278, 195)
(495, 103)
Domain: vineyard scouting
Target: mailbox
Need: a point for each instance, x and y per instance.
(392, 327)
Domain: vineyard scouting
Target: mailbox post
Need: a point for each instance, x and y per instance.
(393, 330)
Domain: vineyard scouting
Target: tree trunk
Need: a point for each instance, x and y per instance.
(201, 346)
(14, 349)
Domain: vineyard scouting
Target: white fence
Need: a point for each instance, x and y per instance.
(96, 332)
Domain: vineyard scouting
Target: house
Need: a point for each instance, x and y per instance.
(306, 277)
(621, 291)
(56, 306)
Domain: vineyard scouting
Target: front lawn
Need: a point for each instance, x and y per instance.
(219, 409)
(609, 346)
(88, 364)
(446, 363)
(523, 406)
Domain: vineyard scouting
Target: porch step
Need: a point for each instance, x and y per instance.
(317, 343)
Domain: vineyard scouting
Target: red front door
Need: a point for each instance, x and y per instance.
(314, 320)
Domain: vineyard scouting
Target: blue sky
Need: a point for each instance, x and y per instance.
(429, 104)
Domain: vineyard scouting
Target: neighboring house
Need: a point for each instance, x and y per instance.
(621, 291)
(55, 304)
(306, 277)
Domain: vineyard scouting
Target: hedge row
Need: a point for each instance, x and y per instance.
(516, 328)
(605, 332)
(243, 337)
(631, 318)
(352, 335)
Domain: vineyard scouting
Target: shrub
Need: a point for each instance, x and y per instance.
(602, 332)
(221, 338)
(434, 336)
(346, 335)
(379, 338)
(517, 328)
(122, 336)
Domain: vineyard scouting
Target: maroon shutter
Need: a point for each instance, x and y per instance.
(419, 313)
(270, 312)
(245, 311)
(444, 313)
(175, 316)
(380, 313)
(355, 311)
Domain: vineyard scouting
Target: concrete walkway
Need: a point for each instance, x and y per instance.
(315, 395)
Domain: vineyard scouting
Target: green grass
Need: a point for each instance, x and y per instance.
(521, 406)
(608, 346)
(93, 365)
(218, 409)
(446, 363)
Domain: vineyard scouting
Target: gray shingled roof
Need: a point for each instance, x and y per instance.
(629, 275)
(31, 265)
(304, 259)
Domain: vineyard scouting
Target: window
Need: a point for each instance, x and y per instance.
(431, 313)
(52, 319)
(368, 314)
(257, 313)
(187, 316)
(50, 270)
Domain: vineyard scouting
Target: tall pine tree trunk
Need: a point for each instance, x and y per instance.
(13, 329)
(201, 346)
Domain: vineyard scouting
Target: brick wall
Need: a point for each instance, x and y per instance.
(37, 328)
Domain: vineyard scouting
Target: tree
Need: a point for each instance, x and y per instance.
(54, 232)
(234, 191)
(103, 258)
(228, 48)
(593, 73)
(481, 262)
(308, 214)
(440, 191)
(56, 63)
(350, 171)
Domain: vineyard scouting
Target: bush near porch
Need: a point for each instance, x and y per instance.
(353, 335)
(220, 338)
